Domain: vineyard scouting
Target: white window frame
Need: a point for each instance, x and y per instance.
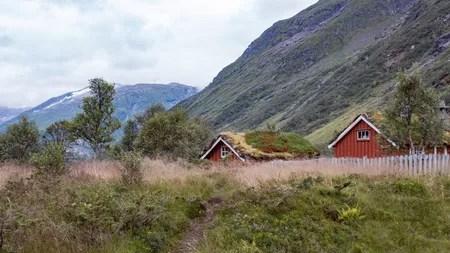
(363, 137)
(224, 152)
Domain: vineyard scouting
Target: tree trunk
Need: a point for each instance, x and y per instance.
(95, 149)
(411, 142)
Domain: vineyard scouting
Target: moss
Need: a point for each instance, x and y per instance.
(271, 145)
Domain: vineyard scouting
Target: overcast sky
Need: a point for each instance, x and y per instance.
(49, 47)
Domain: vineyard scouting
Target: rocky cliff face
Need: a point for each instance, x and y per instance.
(337, 57)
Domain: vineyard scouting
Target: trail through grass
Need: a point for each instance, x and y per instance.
(259, 208)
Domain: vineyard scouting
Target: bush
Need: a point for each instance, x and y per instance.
(51, 160)
(20, 141)
(131, 170)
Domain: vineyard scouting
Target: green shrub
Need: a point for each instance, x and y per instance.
(51, 159)
(350, 214)
(131, 170)
(20, 141)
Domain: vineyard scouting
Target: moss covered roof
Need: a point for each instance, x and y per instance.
(270, 145)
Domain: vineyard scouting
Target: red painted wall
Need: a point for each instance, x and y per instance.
(349, 146)
(215, 154)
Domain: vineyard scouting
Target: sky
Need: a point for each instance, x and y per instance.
(50, 47)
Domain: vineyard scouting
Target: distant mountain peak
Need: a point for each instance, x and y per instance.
(129, 101)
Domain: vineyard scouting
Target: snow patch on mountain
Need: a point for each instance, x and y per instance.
(58, 102)
(80, 92)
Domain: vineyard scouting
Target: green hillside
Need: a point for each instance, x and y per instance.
(311, 73)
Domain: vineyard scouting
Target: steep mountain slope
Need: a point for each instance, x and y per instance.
(9, 113)
(129, 100)
(335, 58)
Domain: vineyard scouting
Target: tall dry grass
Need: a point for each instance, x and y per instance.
(107, 170)
(155, 170)
(248, 173)
(255, 173)
(13, 170)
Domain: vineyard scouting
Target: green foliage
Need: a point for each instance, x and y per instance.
(149, 113)
(20, 141)
(132, 128)
(174, 135)
(130, 134)
(131, 167)
(96, 124)
(51, 159)
(3, 148)
(58, 132)
(412, 117)
(350, 214)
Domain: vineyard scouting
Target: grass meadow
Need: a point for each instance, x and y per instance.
(297, 206)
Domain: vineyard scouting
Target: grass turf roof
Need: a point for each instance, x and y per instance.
(271, 145)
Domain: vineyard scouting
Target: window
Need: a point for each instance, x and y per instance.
(363, 135)
(224, 152)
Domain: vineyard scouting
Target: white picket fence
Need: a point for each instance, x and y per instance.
(408, 164)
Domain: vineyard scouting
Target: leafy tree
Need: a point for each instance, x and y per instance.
(130, 134)
(411, 118)
(174, 135)
(58, 132)
(150, 113)
(20, 141)
(96, 124)
(132, 127)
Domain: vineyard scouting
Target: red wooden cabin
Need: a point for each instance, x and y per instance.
(360, 139)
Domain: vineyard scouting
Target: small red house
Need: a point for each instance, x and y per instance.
(221, 149)
(360, 139)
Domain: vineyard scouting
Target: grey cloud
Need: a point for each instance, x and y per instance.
(63, 43)
(135, 62)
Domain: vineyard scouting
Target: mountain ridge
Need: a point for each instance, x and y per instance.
(129, 101)
(7, 113)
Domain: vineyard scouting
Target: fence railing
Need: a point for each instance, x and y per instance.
(410, 164)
